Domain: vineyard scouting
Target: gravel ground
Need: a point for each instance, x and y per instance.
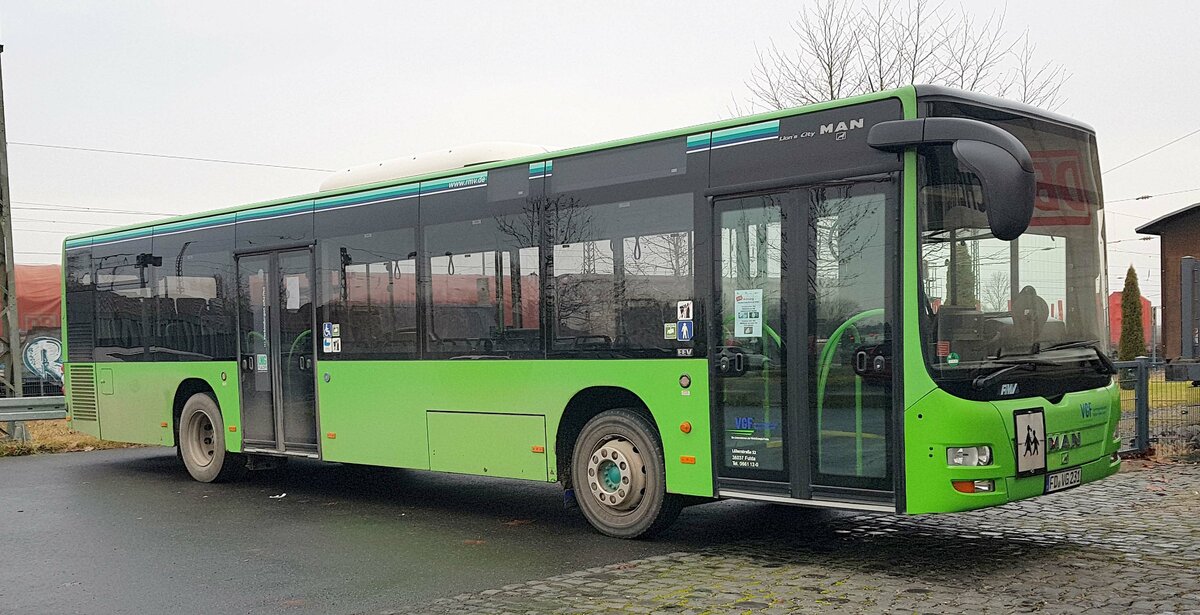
(1128, 544)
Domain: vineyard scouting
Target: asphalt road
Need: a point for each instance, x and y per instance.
(128, 531)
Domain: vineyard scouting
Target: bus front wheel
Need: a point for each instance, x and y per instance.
(619, 478)
(202, 441)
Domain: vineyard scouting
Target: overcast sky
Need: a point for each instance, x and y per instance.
(334, 84)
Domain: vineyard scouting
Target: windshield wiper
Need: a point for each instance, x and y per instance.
(982, 382)
(1106, 364)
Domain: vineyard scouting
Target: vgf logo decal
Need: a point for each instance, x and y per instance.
(1085, 409)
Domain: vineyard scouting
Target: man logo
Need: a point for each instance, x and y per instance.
(841, 126)
(1008, 389)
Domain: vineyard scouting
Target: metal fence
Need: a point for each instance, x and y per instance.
(1155, 412)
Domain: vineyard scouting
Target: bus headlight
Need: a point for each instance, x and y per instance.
(969, 455)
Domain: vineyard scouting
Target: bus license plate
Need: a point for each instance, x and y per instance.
(1064, 479)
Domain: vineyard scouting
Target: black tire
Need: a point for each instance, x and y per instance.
(631, 508)
(202, 442)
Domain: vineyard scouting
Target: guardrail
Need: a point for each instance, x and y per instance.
(15, 410)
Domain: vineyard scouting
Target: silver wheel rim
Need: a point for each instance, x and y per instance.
(201, 439)
(617, 475)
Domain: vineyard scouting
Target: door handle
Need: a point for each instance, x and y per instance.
(731, 362)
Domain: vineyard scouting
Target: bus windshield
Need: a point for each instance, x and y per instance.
(1036, 303)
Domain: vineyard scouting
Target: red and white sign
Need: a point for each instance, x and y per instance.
(1063, 194)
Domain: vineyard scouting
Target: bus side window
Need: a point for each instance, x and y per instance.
(367, 277)
(483, 263)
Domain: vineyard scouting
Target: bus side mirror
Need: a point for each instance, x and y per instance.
(1000, 161)
(1008, 189)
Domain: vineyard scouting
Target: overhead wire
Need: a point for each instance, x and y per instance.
(38, 206)
(168, 156)
(1150, 196)
(1121, 213)
(1136, 158)
(42, 220)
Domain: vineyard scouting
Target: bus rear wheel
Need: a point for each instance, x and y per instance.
(202, 441)
(619, 477)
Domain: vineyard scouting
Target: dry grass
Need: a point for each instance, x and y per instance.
(55, 437)
(1172, 451)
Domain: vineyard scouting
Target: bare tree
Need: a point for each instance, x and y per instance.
(1037, 84)
(821, 68)
(848, 47)
(996, 292)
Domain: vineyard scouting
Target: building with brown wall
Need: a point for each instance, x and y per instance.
(1179, 234)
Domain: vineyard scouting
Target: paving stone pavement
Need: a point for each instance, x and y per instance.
(1128, 544)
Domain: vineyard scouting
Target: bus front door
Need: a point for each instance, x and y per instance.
(275, 323)
(802, 358)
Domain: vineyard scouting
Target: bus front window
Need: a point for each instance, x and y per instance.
(1035, 304)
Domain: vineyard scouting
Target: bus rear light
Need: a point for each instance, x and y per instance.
(969, 455)
(974, 486)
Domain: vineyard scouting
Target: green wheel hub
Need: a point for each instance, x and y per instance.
(617, 474)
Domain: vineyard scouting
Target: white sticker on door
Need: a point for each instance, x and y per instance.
(292, 292)
(684, 310)
(747, 312)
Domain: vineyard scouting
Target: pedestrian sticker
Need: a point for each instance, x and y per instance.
(337, 330)
(335, 344)
(669, 331)
(1030, 436)
(747, 312)
(262, 362)
(327, 329)
(952, 359)
(683, 310)
(684, 330)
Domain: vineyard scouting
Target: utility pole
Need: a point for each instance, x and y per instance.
(10, 343)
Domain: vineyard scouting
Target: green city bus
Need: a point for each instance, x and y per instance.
(893, 302)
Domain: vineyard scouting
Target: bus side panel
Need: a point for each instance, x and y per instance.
(375, 412)
(136, 399)
(507, 445)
